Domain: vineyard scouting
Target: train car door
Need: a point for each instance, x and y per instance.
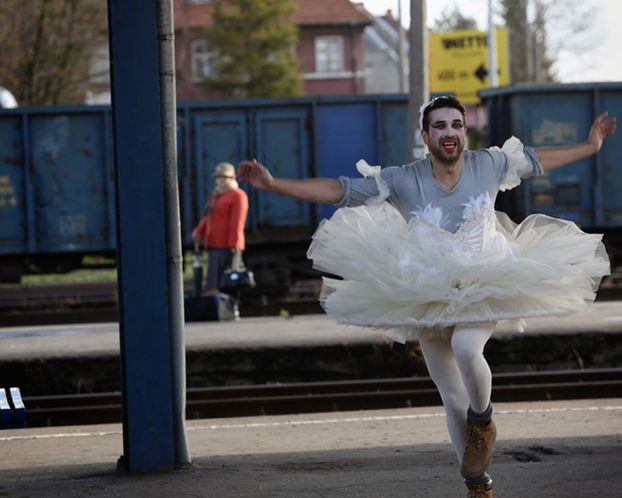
(12, 199)
(548, 120)
(346, 132)
(69, 181)
(282, 143)
(610, 167)
(219, 135)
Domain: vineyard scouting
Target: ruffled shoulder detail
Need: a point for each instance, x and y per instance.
(518, 163)
(374, 172)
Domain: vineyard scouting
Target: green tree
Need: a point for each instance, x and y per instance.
(452, 19)
(47, 47)
(254, 45)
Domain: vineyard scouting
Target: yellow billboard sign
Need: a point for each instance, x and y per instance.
(459, 62)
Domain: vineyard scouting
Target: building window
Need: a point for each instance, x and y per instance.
(329, 54)
(203, 61)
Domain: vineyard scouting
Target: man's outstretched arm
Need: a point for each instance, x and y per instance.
(320, 190)
(553, 157)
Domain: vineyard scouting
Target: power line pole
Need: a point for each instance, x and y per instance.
(400, 49)
(492, 49)
(418, 78)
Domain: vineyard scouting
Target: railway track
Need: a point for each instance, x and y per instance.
(58, 303)
(97, 302)
(239, 401)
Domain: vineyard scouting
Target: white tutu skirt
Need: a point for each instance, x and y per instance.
(414, 280)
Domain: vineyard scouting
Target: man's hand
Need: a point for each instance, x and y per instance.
(256, 174)
(602, 127)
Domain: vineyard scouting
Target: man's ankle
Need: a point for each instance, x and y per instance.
(480, 417)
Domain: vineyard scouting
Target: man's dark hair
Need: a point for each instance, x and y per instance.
(439, 103)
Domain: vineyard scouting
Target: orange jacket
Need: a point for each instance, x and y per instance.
(224, 227)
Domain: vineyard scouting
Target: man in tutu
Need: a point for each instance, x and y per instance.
(442, 267)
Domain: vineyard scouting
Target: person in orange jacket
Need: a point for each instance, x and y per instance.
(222, 225)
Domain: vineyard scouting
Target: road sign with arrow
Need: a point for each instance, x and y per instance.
(459, 62)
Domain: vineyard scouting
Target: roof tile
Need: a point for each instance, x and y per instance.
(323, 12)
(308, 13)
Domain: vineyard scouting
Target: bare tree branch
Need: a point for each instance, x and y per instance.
(48, 47)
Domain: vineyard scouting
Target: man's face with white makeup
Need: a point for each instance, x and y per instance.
(446, 135)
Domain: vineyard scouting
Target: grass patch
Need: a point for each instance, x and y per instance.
(86, 275)
(72, 277)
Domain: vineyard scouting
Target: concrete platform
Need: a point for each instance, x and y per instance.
(53, 341)
(565, 449)
(63, 359)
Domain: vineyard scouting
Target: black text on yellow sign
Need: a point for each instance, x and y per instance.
(459, 62)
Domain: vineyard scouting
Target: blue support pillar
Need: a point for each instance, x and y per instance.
(148, 242)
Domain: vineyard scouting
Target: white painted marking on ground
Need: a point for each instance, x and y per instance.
(60, 435)
(315, 422)
(392, 417)
(292, 423)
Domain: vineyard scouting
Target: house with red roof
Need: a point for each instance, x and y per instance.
(330, 46)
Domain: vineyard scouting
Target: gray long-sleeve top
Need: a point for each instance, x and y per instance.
(413, 187)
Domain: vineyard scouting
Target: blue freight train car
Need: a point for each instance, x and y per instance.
(588, 192)
(56, 186)
(57, 177)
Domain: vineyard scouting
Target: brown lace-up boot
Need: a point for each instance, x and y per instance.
(478, 451)
(480, 490)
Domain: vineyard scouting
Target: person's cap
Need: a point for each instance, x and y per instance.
(224, 169)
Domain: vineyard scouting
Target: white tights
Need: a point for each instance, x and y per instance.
(461, 374)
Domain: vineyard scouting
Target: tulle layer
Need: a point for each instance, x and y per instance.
(412, 280)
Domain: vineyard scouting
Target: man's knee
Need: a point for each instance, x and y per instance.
(466, 351)
(468, 343)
